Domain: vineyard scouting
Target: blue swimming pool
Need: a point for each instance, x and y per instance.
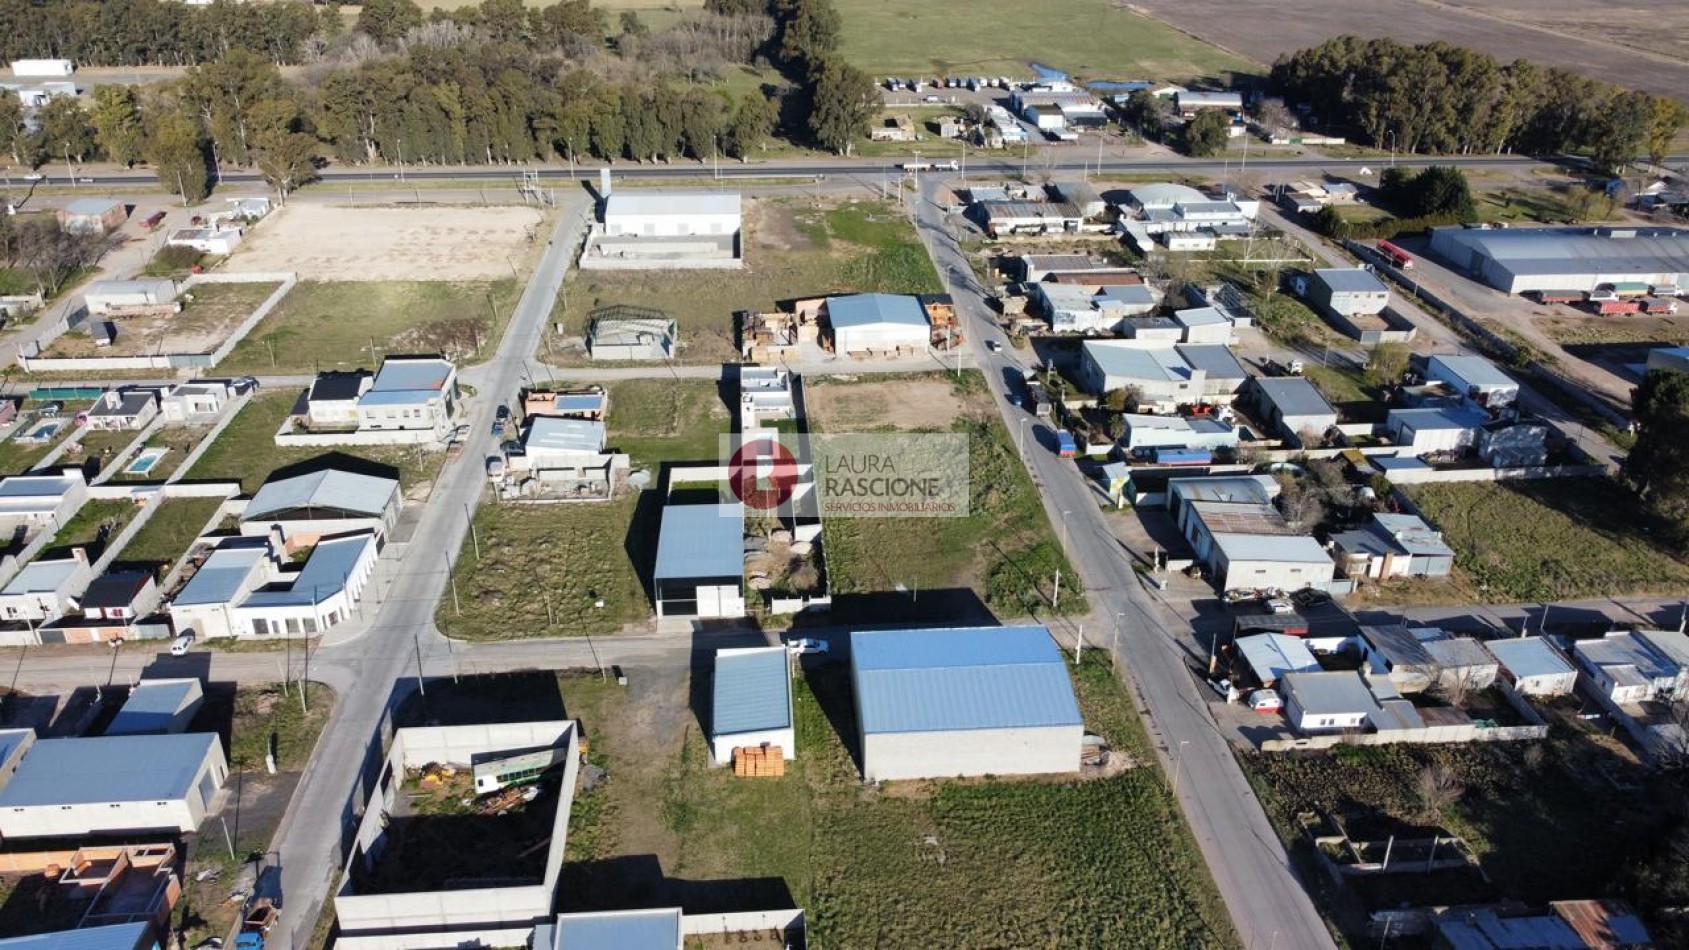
(144, 462)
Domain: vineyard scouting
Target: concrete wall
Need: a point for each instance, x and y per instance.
(1031, 751)
(1429, 475)
(784, 921)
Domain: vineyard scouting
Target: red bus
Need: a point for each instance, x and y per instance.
(1397, 256)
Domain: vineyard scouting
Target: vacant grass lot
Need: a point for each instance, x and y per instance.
(93, 526)
(959, 864)
(1004, 551)
(332, 324)
(167, 534)
(542, 568)
(792, 251)
(1550, 539)
(1090, 38)
(246, 451)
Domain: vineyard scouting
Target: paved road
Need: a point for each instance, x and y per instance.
(1268, 905)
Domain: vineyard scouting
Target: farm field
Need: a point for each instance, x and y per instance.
(202, 326)
(1002, 555)
(167, 534)
(246, 451)
(1105, 861)
(1578, 36)
(1549, 539)
(330, 243)
(791, 251)
(1001, 37)
(578, 554)
(324, 325)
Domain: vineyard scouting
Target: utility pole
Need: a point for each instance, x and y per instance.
(457, 608)
(1056, 600)
(1179, 765)
(1079, 645)
(416, 641)
(474, 537)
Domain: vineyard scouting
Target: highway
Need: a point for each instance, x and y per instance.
(1267, 903)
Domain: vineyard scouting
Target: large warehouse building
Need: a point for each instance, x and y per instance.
(963, 701)
(1517, 260)
(113, 785)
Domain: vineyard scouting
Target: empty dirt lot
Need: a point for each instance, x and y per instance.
(210, 312)
(1613, 40)
(320, 242)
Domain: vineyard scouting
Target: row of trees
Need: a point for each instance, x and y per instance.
(1444, 99)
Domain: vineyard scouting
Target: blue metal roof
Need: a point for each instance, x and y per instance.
(579, 402)
(399, 375)
(330, 566)
(701, 541)
(103, 769)
(565, 435)
(1529, 656)
(961, 678)
(753, 691)
(398, 397)
(862, 310)
(153, 706)
(135, 936)
(10, 739)
(223, 575)
(614, 930)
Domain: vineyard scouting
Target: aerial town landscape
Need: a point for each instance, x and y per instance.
(680, 474)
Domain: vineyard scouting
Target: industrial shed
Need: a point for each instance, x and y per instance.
(963, 701)
(1517, 260)
(672, 213)
(880, 323)
(1474, 377)
(118, 785)
(120, 297)
(1292, 405)
(132, 936)
(751, 702)
(158, 707)
(331, 501)
(1424, 431)
(700, 561)
(1350, 291)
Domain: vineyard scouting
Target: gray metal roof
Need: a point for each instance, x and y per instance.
(564, 435)
(1468, 369)
(1271, 655)
(1278, 548)
(1577, 251)
(961, 678)
(223, 576)
(1294, 396)
(1215, 359)
(1426, 420)
(325, 574)
(1456, 653)
(108, 937)
(1200, 317)
(43, 577)
(1481, 928)
(404, 375)
(103, 769)
(153, 706)
(866, 310)
(1131, 294)
(671, 203)
(91, 206)
(753, 691)
(1165, 195)
(330, 492)
(701, 541)
(1259, 489)
(162, 287)
(1333, 693)
(1529, 656)
(1351, 280)
(1115, 358)
(124, 405)
(1410, 534)
(37, 486)
(612, 930)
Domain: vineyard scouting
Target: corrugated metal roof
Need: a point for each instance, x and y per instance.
(1271, 655)
(1215, 359)
(1398, 645)
(1482, 929)
(867, 310)
(1468, 369)
(330, 489)
(1332, 693)
(1294, 396)
(1457, 653)
(617, 930)
(1259, 489)
(1121, 358)
(701, 541)
(753, 691)
(153, 706)
(1426, 420)
(162, 287)
(1278, 548)
(1351, 280)
(401, 375)
(91, 206)
(110, 937)
(223, 576)
(1577, 251)
(101, 769)
(961, 678)
(42, 577)
(1529, 656)
(325, 574)
(1603, 924)
(671, 203)
(1165, 195)
(564, 435)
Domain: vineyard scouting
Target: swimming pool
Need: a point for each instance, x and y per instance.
(144, 462)
(43, 431)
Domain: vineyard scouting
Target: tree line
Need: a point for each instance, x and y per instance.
(1442, 99)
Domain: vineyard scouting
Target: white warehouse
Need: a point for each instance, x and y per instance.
(672, 214)
(118, 785)
(963, 701)
(752, 702)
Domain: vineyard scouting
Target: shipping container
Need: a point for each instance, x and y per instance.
(1169, 456)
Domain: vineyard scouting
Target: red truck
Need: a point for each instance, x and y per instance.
(1607, 308)
(1397, 256)
(153, 220)
(1658, 305)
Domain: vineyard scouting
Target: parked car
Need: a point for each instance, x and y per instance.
(1278, 605)
(35, 176)
(182, 644)
(805, 645)
(1309, 597)
(153, 220)
(993, 346)
(1223, 687)
(246, 384)
(1265, 701)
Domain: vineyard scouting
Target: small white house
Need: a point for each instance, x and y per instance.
(752, 702)
(332, 401)
(672, 213)
(1535, 666)
(1474, 377)
(1633, 666)
(218, 241)
(121, 410)
(206, 605)
(119, 297)
(46, 590)
(1427, 431)
(1272, 656)
(1327, 701)
(1205, 325)
(196, 402)
(325, 592)
(410, 393)
(41, 501)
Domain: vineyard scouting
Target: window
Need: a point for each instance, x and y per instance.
(310, 625)
(293, 625)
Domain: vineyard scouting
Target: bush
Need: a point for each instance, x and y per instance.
(173, 259)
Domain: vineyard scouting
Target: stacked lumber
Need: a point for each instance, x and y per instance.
(759, 761)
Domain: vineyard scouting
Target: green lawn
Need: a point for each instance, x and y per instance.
(180, 440)
(172, 527)
(246, 451)
(1105, 862)
(792, 250)
(1551, 539)
(1004, 551)
(19, 457)
(332, 324)
(1090, 38)
(543, 567)
(96, 523)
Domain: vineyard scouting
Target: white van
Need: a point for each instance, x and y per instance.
(182, 644)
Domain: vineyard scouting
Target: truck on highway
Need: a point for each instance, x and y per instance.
(1066, 446)
(930, 166)
(1397, 256)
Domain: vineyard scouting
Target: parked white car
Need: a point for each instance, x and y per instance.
(1265, 701)
(806, 645)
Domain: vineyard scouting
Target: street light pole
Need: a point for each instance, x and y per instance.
(1179, 765)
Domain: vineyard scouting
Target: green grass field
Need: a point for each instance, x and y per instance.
(167, 534)
(322, 325)
(792, 251)
(1089, 38)
(93, 526)
(577, 554)
(246, 451)
(1105, 862)
(1551, 539)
